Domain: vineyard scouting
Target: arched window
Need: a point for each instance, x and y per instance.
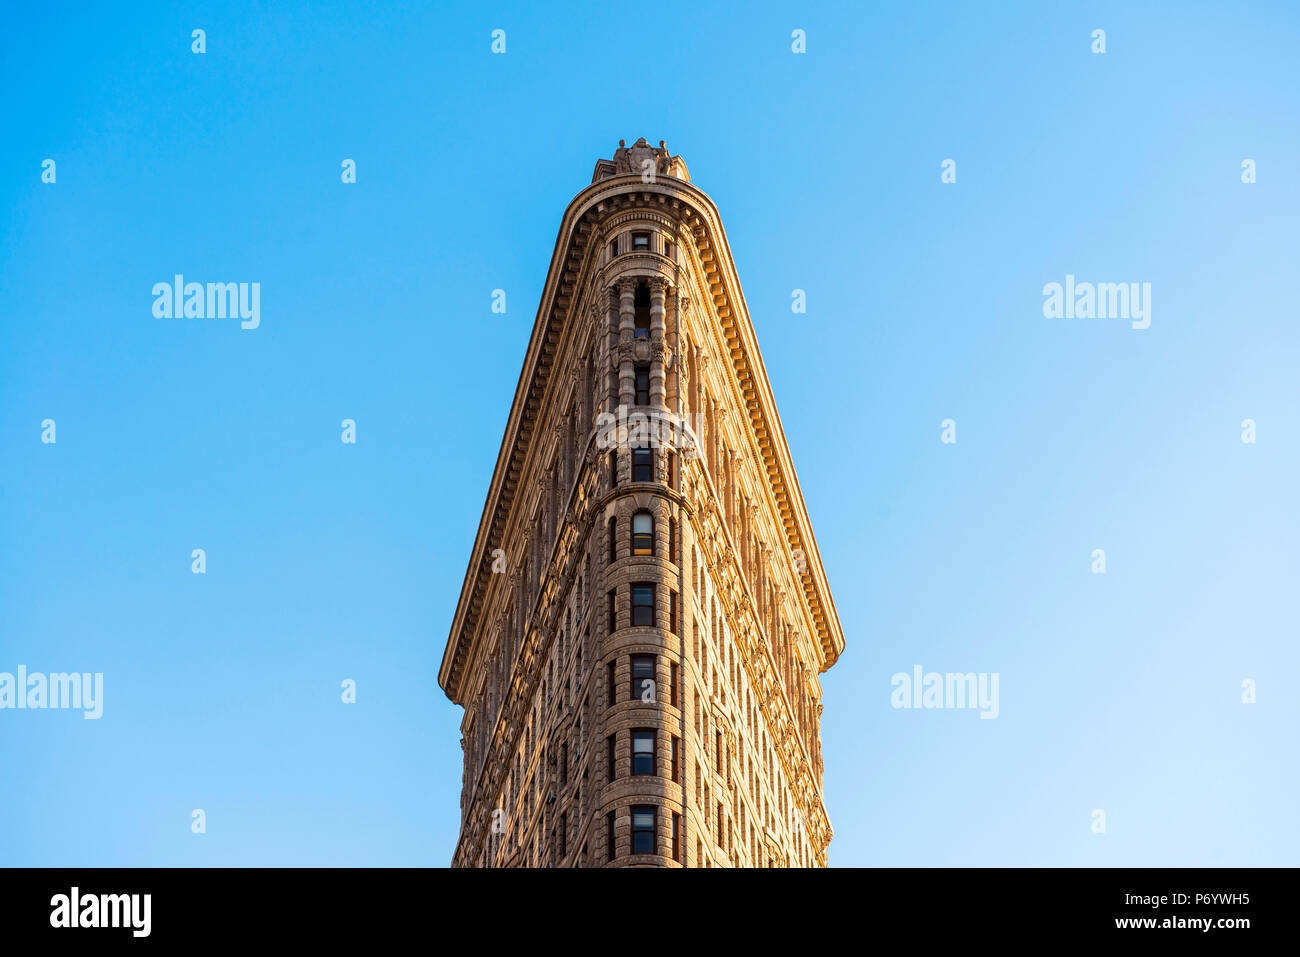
(643, 534)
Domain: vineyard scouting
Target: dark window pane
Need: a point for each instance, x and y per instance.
(643, 752)
(643, 605)
(641, 313)
(643, 461)
(643, 672)
(643, 830)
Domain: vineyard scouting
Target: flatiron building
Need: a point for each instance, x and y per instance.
(639, 638)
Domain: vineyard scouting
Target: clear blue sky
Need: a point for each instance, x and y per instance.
(327, 561)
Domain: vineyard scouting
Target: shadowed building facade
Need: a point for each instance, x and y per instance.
(639, 636)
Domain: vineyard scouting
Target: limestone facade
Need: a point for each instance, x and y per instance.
(643, 622)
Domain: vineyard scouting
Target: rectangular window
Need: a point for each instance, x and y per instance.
(643, 465)
(609, 836)
(609, 684)
(564, 763)
(640, 242)
(718, 742)
(613, 469)
(672, 540)
(672, 469)
(610, 749)
(643, 829)
(643, 751)
(641, 375)
(613, 539)
(564, 835)
(672, 612)
(672, 684)
(613, 248)
(643, 604)
(669, 248)
(672, 756)
(611, 601)
(677, 838)
(643, 676)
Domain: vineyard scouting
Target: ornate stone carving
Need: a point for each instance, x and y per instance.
(642, 158)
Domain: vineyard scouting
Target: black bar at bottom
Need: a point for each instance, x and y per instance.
(333, 906)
